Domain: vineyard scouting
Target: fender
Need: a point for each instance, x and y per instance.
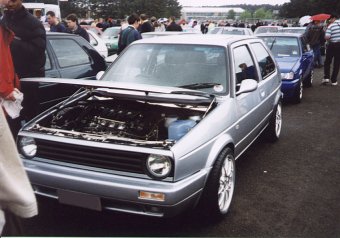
(216, 149)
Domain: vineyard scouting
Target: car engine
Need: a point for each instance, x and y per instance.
(121, 121)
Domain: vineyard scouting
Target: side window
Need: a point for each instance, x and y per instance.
(69, 53)
(93, 41)
(243, 64)
(266, 63)
(47, 62)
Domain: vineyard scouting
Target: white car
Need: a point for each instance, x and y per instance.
(98, 43)
(231, 31)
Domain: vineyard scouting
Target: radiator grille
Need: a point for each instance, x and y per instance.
(91, 156)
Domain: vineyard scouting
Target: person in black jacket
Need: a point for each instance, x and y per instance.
(28, 52)
(145, 25)
(173, 26)
(75, 28)
(55, 24)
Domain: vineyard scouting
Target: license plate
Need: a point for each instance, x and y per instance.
(79, 200)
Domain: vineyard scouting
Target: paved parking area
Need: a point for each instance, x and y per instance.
(289, 188)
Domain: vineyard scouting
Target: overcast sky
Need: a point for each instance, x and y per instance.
(228, 2)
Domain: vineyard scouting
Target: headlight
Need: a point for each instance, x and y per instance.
(289, 75)
(27, 146)
(159, 166)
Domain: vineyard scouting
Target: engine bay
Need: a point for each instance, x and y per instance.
(123, 121)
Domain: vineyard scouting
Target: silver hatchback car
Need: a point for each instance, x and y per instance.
(160, 131)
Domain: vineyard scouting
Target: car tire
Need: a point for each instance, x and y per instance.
(309, 80)
(273, 131)
(298, 92)
(218, 192)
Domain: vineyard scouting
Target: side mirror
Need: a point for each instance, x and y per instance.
(99, 75)
(247, 85)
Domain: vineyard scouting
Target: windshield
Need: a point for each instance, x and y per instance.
(186, 66)
(282, 46)
(111, 32)
(233, 32)
(266, 30)
(293, 30)
(214, 30)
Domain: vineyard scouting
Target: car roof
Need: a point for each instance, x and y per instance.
(231, 27)
(167, 33)
(280, 34)
(269, 27)
(196, 39)
(294, 27)
(49, 33)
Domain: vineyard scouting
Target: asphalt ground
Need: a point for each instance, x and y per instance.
(290, 188)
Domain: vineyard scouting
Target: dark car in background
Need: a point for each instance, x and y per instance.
(295, 60)
(67, 56)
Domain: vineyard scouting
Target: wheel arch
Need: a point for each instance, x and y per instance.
(219, 145)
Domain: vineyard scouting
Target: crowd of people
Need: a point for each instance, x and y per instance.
(23, 45)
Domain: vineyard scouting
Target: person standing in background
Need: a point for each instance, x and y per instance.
(130, 33)
(314, 35)
(172, 26)
(55, 24)
(28, 52)
(74, 28)
(145, 25)
(333, 51)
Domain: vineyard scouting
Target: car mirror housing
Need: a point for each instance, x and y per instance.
(247, 85)
(99, 75)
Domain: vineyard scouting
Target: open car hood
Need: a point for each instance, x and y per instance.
(130, 89)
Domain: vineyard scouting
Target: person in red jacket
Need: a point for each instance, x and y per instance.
(8, 78)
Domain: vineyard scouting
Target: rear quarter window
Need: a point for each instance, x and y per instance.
(265, 61)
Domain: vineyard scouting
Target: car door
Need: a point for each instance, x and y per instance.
(247, 104)
(268, 83)
(307, 58)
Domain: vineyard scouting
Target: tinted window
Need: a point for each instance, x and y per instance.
(244, 64)
(69, 52)
(266, 63)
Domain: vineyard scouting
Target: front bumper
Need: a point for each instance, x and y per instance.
(114, 192)
(289, 87)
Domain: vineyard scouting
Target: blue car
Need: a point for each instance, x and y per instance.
(295, 60)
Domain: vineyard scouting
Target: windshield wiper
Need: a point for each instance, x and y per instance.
(271, 46)
(199, 85)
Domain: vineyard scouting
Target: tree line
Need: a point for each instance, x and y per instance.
(119, 9)
(299, 8)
